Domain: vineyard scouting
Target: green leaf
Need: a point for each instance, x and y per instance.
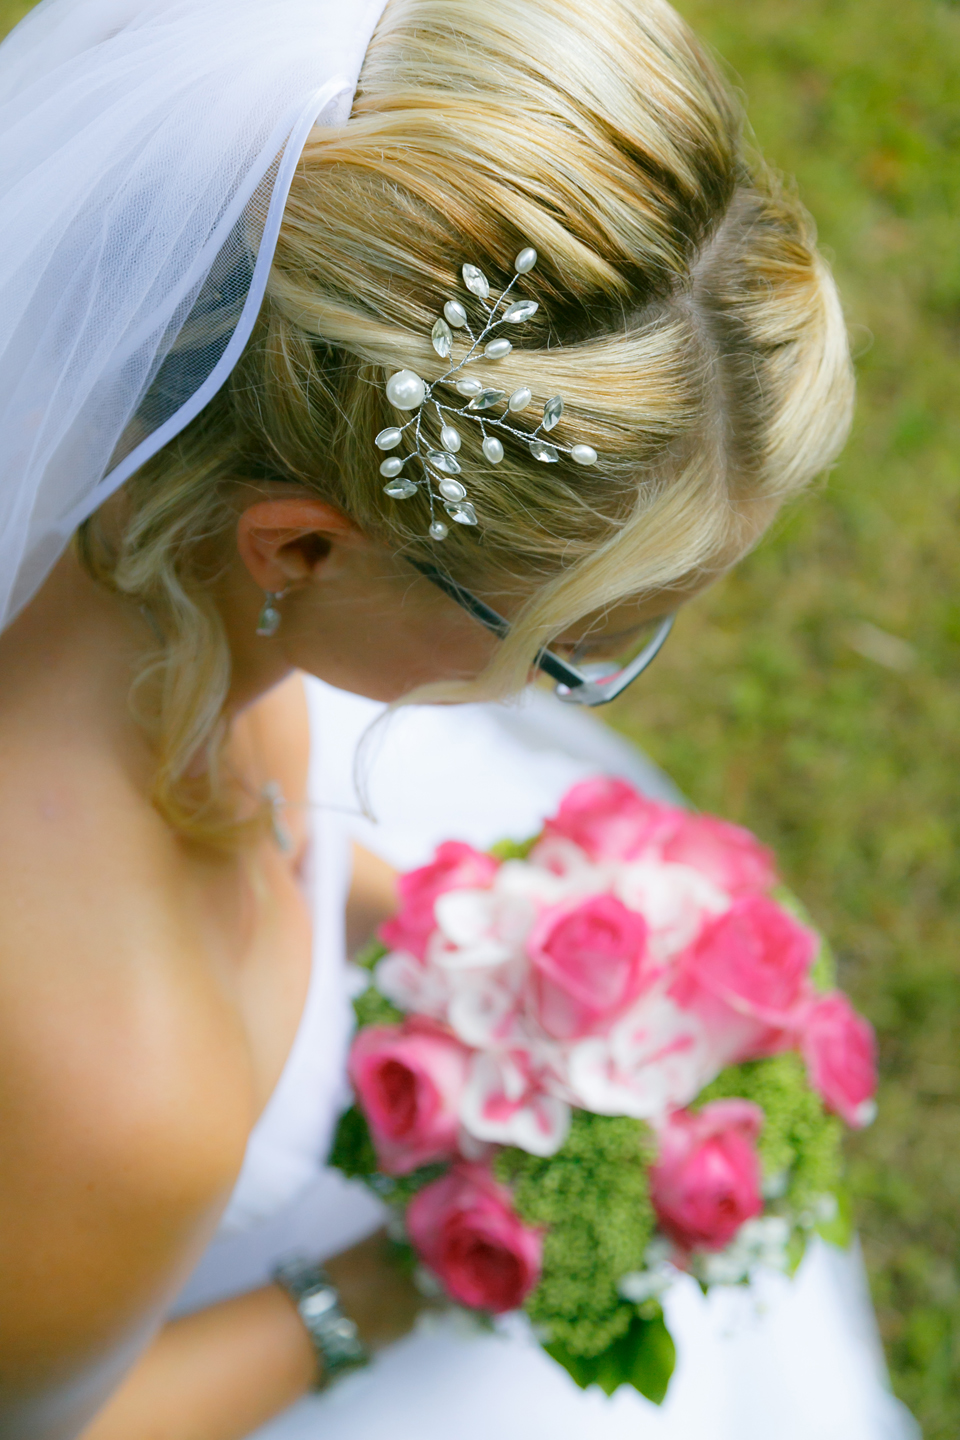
(823, 972)
(370, 954)
(796, 1249)
(372, 1008)
(643, 1357)
(839, 1230)
(513, 849)
(352, 1150)
(353, 1154)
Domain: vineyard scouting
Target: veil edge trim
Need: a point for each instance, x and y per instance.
(148, 447)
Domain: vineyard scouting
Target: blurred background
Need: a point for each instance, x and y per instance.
(814, 695)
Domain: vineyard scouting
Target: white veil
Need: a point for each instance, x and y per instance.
(146, 154)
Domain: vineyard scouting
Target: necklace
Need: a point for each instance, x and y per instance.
(276, 799)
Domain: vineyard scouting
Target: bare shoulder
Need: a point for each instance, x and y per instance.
(128, 1078)
(126, 1110)
(125, 1089)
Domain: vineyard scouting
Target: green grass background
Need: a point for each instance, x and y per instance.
(814, 695)
(783, 699)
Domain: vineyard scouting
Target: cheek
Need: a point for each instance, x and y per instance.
(457, 647)
(387, 654)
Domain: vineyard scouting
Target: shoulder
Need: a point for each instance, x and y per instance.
(127, 1084)
(126, 1091)
(126, 1106)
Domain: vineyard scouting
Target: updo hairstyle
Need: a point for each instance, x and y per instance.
(686, 318)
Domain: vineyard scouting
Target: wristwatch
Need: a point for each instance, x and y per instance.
(334, 1336)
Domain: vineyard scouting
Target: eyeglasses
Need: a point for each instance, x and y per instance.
(595, 684)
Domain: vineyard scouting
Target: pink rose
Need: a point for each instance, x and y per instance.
(608, 819)
(706, 1181)
(589, 962)
(726, 854)
(455, 866)
(753, 959)
(409, 1080)
(840, 1050)
(465, 1230)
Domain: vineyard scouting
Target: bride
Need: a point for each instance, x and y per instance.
(230, 228)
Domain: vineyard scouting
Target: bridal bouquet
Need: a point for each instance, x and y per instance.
(589, 1061)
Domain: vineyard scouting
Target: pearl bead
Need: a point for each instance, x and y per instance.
(584, 454)
(520, 399)
(452, 490)
(525, 261)
(391, 467)
(496, 349)
(388, 439)
(450, 438)
(406, 390)
(438, 531)
(466, 386)
(455, 313)
(493, 449)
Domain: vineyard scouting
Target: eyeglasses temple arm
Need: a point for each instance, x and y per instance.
(546, 661)
(465, 598)
(558, 670)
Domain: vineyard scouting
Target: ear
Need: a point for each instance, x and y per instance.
(282, 541)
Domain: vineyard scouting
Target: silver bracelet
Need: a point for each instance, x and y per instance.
(334, 1336)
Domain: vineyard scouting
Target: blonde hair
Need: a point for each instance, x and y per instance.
(685, 316)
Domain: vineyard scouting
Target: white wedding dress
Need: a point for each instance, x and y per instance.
(783, 1360)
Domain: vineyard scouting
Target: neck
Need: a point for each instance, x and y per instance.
(77, 648)
(73, 653)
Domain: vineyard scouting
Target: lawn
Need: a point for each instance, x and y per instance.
(814, 694)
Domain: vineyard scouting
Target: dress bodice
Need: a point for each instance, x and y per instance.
(287, 1146)
(285, 1197)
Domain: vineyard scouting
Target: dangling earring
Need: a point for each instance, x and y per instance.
(268, 621)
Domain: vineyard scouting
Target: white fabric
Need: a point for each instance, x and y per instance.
(297, 1123)
(785, 1360)
(146, 152)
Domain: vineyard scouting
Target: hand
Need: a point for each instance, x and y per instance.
(376, 1292)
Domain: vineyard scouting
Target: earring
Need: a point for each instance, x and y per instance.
(268, 621)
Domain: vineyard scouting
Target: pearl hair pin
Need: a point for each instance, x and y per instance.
(437, 476)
